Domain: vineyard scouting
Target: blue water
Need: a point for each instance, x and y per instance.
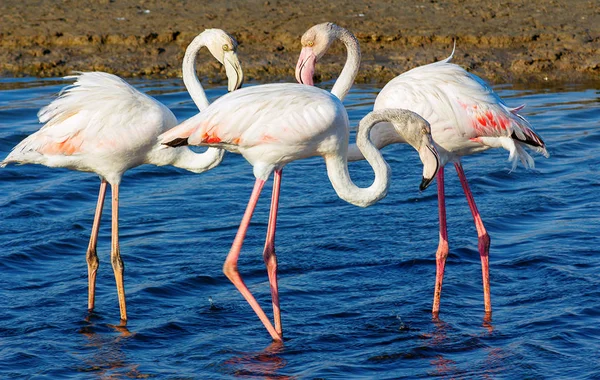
(356, 284)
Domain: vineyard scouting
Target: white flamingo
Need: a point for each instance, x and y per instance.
(272, 125)
(103, 125)
(466, 117)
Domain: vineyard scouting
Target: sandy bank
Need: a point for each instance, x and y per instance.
(502, 41)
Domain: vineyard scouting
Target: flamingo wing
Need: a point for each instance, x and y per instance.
(99, 113)
(276, 114)
(462, 109)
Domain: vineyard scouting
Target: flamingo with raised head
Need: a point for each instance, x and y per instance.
(273, 125)
(466, 117)
(101, 124)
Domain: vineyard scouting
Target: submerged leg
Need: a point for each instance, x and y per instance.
(230, 266)
(483, 239)
(91, 255)
(269, 252)
(115, 254)
(442, 251)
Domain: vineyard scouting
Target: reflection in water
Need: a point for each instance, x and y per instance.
(439, 338)
(265, 363)
(105, 355)
(441, 343)
(487, 322)
(443, 366)
(439, 334)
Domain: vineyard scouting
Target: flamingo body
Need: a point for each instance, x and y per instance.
(466, 117)
(100, 124)
(270, 125)
(465, 114)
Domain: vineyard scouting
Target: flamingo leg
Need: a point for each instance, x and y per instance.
(91, 255)
(115, 254)
(230, 266)
(269, 252)
(442, 251)
(482, 236)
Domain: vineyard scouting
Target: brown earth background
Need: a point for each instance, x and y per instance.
(534, 42)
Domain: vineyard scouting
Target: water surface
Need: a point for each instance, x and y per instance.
(356, 284)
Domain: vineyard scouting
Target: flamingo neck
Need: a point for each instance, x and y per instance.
(185, 158)
(344, 82)
(198, 162)
(337, 169)
(190, 78)
(382, 135)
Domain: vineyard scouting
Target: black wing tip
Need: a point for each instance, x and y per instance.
(177, 142)
(530, 139)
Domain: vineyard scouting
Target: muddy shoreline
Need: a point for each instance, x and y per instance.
(532, 42)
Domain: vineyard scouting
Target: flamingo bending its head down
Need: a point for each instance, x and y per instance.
(101, 124)
(466, 117)
(273, 125)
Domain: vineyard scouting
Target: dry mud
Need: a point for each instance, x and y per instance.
(502, 41)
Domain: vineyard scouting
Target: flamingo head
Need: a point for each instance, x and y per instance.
(416, 131)
(224, 48)
(427, 153)
(315, 43)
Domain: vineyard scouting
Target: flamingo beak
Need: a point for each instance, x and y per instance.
(431, 163)
(305, 68)
(233, 69)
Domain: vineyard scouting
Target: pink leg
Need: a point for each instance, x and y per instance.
(91, 255)
(483, 239)
(230, 266)
(269, 252)
(115, 254)
(442, 251)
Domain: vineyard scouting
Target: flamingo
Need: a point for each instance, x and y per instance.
(272, 125)
(101, 124)
(466, 117)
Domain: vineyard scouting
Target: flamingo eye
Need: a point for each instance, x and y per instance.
(310, 43)
(225, 47)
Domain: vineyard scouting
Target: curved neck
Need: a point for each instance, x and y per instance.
(190, 78)
(337, 170)
(382, 135)
(185, 158)
(344, 82)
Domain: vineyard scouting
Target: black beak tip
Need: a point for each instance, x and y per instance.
(238, 83)
(236, 87)
(425, 183)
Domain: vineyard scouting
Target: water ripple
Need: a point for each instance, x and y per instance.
(356, 285)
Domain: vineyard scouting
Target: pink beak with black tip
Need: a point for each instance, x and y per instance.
(305, 68)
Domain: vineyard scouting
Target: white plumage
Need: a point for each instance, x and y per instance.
(101, 124)
(465, 114)
(272, 125)
(466, 117)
